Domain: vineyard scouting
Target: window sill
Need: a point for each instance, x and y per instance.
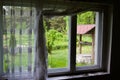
(68, 77)
(103, 74)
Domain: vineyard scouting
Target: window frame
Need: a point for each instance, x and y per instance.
(99, 43)
(106, 45)
(104, 23)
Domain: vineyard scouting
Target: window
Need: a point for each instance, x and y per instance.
(86, 37)
(69, 50)
(88, 41)
(57, 41)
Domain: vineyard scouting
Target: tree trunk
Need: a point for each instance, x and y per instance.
(40, 68)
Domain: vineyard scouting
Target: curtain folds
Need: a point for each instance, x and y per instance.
(40, 51)
(40, 69)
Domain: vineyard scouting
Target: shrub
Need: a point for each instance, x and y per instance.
(52, 36)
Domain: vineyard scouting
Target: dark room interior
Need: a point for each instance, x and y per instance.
(107, 65)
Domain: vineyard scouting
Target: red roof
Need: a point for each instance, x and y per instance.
(83, 29)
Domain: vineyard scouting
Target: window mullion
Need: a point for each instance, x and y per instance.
(72, 46)
(99, 34)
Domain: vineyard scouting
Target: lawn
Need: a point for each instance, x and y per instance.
(57, 59)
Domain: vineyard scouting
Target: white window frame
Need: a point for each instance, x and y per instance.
(98, 43)
(103, 43)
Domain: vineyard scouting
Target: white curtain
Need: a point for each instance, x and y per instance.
(40, 68)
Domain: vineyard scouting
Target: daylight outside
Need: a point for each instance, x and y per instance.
(18, 39)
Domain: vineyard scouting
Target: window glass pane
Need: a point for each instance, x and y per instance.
(85, 43)
(57, 41)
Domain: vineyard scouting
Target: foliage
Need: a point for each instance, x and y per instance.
(57, 22)
(56, 29)
(86, 18)
(12, 41)
(5, 68)
(52, 36)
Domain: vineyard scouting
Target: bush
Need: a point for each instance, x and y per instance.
(52, 36)
(60, 45)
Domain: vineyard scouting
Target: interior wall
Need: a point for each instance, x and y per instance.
(115, 58)
(115, 64)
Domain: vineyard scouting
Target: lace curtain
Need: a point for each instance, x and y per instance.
(40, 48)
(13, 35)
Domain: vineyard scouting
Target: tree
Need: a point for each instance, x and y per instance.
(52, 35)
(54, 26)
(86, 18)
(56, 22)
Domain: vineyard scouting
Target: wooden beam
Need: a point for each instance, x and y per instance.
(93, 46)
(55, 2)
(59, 4)
(71, 11)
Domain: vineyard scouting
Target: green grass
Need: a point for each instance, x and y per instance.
(58, 59)
(81, 64)
(85, 49)
(24, 39)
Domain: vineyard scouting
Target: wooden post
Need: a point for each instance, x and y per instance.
(40, 68)
(93, 44)
(80, 45)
